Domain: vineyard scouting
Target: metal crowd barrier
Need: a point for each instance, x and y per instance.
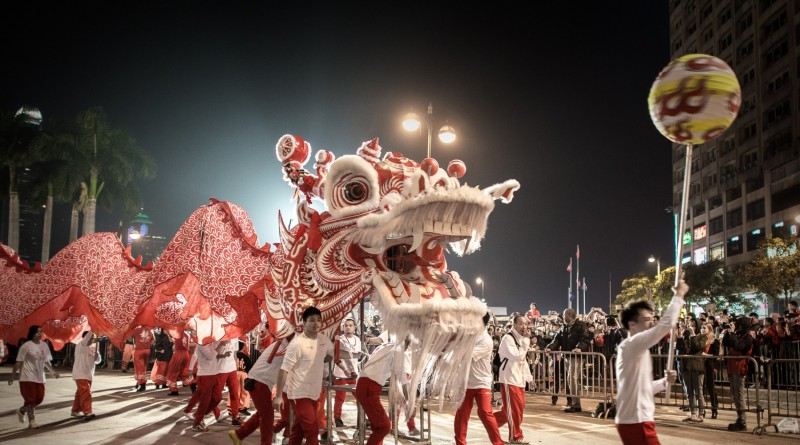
(552, 374)
(783, 384)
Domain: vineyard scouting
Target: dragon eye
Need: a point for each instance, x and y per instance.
(355, 192)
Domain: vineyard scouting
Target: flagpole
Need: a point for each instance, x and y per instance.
(578, 274)
(584, 295)
(569, 295)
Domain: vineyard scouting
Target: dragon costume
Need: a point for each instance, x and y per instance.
(386, 225)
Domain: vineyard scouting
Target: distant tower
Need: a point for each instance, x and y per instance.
(139, 226)
(141, 239)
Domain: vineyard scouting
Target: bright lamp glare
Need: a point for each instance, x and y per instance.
(479, 280)
(411, 122)
(134, 235)
(447, 134)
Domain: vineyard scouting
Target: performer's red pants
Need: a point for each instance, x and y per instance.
(284, 412)
(32, 393)
(340, 397)
(159, 372)
(244, 396)
(638, 433)
(231, 380)
(209, 394)
(368, 394)
(140, 359)
(305, 422)
(483, 399)
(322, 418)
(178, 369)
(127, 355)
(511, 412)
(262, 418)
(83, 396)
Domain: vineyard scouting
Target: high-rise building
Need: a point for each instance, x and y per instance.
(30, 219)
(745, 185)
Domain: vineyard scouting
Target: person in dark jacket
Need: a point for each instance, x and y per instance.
(162, 346)
(712, 350)
(573, 338)
(739, 343)
(693, 371)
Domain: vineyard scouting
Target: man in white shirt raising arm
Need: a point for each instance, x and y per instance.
(635, 405)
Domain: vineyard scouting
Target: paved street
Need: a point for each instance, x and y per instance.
(128, 417)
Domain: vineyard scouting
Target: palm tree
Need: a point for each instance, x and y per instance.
(16, 131)
(108, 159)
(51, 150)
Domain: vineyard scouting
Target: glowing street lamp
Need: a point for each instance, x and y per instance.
(480, 281)
(653, 259)
(412, 122)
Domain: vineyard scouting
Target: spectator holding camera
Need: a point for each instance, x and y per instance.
(739, 342)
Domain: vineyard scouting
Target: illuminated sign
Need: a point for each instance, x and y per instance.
(756, 232)
(700, 256)
(687, 237)
(700, 232)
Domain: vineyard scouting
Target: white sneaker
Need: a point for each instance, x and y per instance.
(33, 424)
(76, 414)
(223, 415)
(189, 416)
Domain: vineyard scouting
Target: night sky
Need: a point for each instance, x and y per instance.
(554, 96)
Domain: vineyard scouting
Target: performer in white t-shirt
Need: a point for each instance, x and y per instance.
(32, 359)
(302, 373)
(265, 373)
(86, 358)
(347, 365)
(479, 389)
(635, 405)
(514, 372)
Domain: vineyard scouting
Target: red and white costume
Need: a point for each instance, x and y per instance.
(265, 372)
(228, 374)
(514, 372)
(86, 357)
(304, 361)
(349, 353)
(635, 405)
(479, 389)
(141, 353)
(369, 386)
(179, 364)
(209, 389)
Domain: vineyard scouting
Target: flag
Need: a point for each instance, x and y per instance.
(569, 267)
(578, 282)
(578, 253)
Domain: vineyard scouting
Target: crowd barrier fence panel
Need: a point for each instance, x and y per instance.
(782, 377)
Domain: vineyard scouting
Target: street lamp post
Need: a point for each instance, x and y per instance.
(412, 122)
(480, 281)
(653, 259)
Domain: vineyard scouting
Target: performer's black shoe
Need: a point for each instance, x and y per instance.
(573, 409)
(141, 387)
(554, 400)
(339, 423)
(173, 393)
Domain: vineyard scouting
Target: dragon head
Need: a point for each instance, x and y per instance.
(383, 235)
